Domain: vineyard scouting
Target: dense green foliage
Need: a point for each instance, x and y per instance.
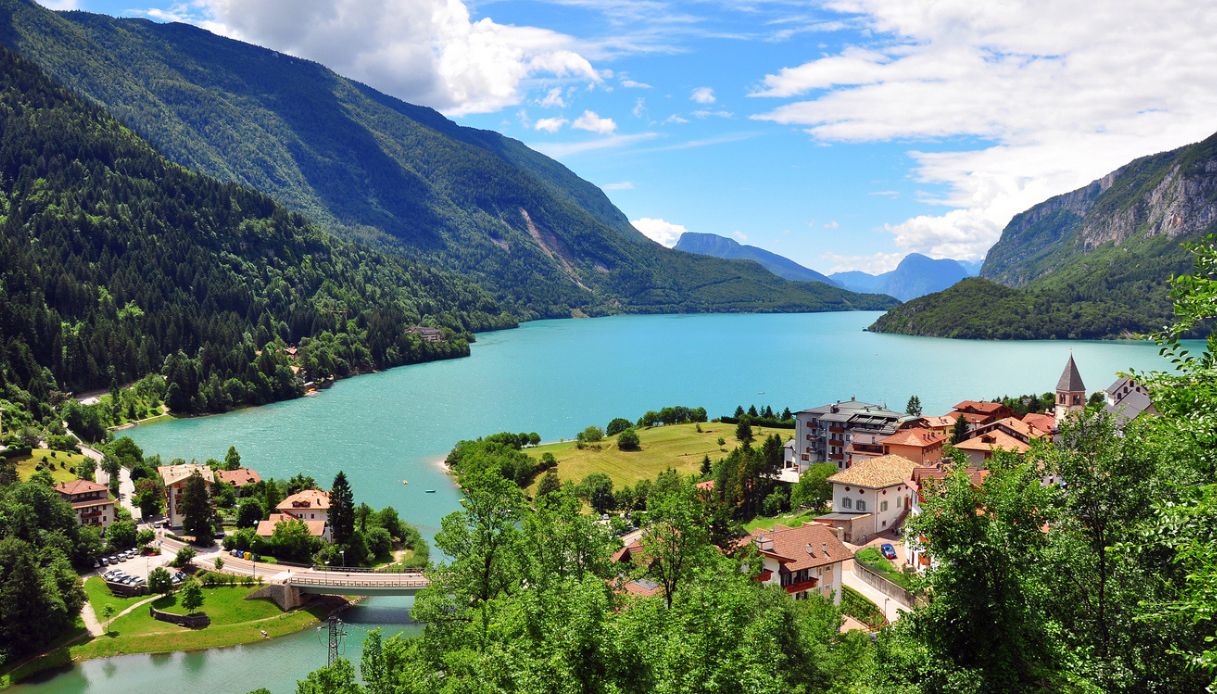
(527, 602)
(545, 241)
(159, 269)
(40, 540)
(1064, 278)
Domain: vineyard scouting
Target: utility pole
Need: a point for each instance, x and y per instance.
(336, 634)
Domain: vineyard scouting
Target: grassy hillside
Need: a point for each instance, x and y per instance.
(678, 446)
(545, 242)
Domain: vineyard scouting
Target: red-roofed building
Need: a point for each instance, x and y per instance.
(922, 446)
(239, 477)
(91, 502)
(1043, 422)
(921, 481)
(802, 560)
(316, 528)
(977, 412)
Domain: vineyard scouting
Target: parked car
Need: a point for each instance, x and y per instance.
(887, 550)
(96, 563)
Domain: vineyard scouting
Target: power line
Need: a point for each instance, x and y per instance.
(336, 634)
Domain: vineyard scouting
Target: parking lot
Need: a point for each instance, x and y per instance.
(133, 564)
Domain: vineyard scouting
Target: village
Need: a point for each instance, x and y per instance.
(886, 462)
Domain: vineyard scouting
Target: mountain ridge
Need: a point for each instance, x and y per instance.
(1090, 263)
(375, 168)
(717, 246)
(915, 276)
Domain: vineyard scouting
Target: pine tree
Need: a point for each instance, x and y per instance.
(914, 406)
(232, 459)
(342, 509)
(196, 509)
(960, 432)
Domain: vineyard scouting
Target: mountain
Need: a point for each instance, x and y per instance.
(545, 242)
(717, 246)
(915, 276)
(118, 263)
(1091, 263)
(972, 267)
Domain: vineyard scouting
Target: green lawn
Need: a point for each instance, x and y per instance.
(61, 465)
(791, 520)
(100, 596)
(679, 446)
(873, 560)
(234, 620)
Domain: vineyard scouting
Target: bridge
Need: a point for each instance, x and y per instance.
(352, 582)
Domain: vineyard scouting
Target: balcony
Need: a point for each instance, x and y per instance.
(836, 429)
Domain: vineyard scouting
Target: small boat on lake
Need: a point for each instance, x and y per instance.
(429, 491)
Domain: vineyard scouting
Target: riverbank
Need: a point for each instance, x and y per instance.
(235, 621)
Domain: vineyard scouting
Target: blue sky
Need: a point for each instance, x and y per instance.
(843, 134)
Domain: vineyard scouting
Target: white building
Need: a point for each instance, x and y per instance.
(1127, 400)
(802, 560)
(844, 432)
(870, 497)
(174, 477)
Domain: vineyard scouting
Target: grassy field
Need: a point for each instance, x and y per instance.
(61, 465)
(234, 620)
(100, 596)
(791, 520)
(873, 560)
(679, 446)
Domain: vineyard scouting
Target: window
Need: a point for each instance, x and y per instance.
(882, 506)
(861, 505)
(899, 501)
(847, 502)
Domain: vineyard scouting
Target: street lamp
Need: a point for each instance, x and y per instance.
(343, 552)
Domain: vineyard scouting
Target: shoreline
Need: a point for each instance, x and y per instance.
(60, 660)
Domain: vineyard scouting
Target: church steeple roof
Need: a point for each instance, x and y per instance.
(1071, 380)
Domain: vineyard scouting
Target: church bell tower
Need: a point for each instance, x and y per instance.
(1070, 393)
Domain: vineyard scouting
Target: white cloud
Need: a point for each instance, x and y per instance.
(559, 150)
(884, 193)
(675, 119)
(549, 125)
(706, 113)
(659, 230)
(1061, 93)
(833, 225)
(594, 123)
(631, 84)
(703, 95)
(424, 51)
(640, 107)
(622, 185)
(60, 5)
(553, 99)
(739, 236)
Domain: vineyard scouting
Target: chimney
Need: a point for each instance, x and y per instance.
(809, 550)
(840, 532)
(765, 544)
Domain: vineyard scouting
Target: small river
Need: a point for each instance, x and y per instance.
(556, 377)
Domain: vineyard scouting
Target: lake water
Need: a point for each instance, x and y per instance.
(555, 378)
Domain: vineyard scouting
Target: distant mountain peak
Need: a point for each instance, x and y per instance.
(702, 243)
(916, 275)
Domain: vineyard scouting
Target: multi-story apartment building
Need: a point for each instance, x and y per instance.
(843, 432)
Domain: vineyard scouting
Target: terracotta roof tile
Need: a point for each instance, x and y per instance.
(239, 477)
(790, 546)
(314, 499)
(79, 487)
(876, 473)
(922, 438)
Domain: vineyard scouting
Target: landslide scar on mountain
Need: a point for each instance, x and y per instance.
(550, 247)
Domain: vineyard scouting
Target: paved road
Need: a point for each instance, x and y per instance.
(126, 487)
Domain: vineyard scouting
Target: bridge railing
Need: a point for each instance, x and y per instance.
(363, 570)
(310, 581)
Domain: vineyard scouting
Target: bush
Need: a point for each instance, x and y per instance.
(183, 557)
(592, 434)
(380, 544)
(121, 534)
(617, 426)
(159, 580)
(144, 536)
(775, 503)
(627, 440)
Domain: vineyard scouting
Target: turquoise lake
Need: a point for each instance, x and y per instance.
(555, 378)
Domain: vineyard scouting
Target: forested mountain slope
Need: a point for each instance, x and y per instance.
(544, 241)
(1092, 263)
(717, 246)
(115, 259)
